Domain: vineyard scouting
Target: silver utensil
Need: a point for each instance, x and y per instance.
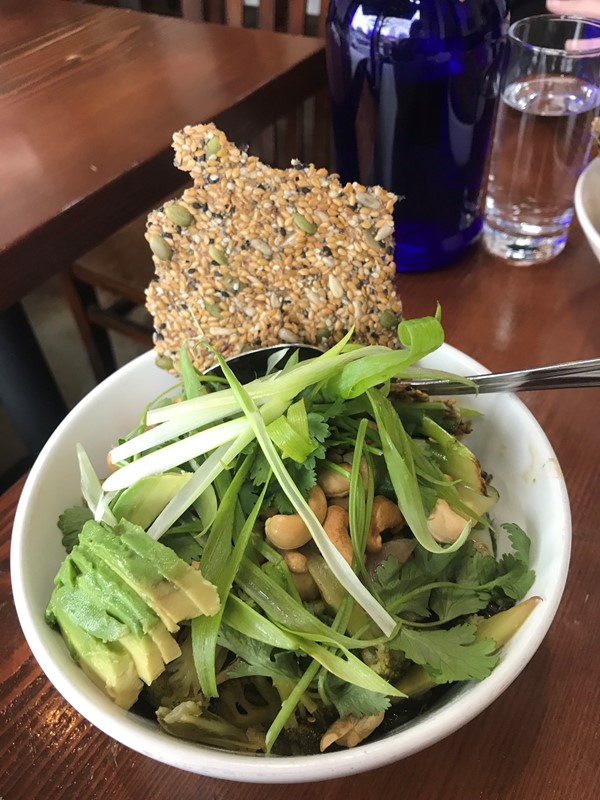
(570, 375)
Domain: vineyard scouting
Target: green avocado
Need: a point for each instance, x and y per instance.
(142, 502)
(152, 570)
(88, 611)
(99, 543)
(200, 591)
(107, 664)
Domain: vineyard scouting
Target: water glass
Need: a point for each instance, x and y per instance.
(549, 95)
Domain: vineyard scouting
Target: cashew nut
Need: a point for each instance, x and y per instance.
(303, 580)
(336, 485)
(385, 516)
(342, 502)
(306, 586)
(444, 524)
(288, 531)
(336, 528)
(296, 561)
(350, 731)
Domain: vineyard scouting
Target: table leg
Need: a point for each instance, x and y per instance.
(28, 390)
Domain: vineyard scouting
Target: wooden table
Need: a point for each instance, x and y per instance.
(540, 740)
(89, 100)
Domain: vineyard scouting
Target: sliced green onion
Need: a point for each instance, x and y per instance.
(342, 571)
(91, 488)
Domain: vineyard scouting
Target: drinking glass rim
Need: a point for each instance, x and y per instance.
(554, 51)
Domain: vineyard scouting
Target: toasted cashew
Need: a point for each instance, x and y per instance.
(336, 528)
(336, 485)
(342, 502)
(350, 731)
(296, 561)
(307, 588)
(288, 531)
(385, 516)
(444, 524)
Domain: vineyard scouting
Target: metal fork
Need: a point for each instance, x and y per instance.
(571, 375)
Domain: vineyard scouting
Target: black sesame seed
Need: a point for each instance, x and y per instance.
(162, 326)
(196, 205)
(200, 158)
(217, 274)
(167, 235)
(304, 189)
(159, 337)
(327, 251)
(303, 253)
(282, 231)
(360, 283)
(183, 306)
(191, 270)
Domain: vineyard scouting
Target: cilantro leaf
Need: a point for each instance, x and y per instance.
(392, 580)
(475, 567)
(516, 579)
(70, 522)
(257, 658)
(184, 544)
(521, 543)
(450, 655)
(450, 603)
(353, 701)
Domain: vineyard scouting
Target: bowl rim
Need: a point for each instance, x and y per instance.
(590, 230)
(424, 731)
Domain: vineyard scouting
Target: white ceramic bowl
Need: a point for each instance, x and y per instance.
(508, 440)
(587, 204)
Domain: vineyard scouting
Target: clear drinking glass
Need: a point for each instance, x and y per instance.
(549, 96)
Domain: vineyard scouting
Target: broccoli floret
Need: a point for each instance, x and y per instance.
(190, 720)
(390, 664)
(179, 682)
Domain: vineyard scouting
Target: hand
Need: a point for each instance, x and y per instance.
(575, 8)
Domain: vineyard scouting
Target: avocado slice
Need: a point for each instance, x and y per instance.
(99, 543)
(200, 591)
(154, 572)
(88, 612)
(143, 501)
(123, 603)
(108, 665)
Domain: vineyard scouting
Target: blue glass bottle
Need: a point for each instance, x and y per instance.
(414, 86)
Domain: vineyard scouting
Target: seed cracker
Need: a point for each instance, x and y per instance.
(251, 256)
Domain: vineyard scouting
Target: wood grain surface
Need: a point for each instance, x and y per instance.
(89, 100)
(540, 740)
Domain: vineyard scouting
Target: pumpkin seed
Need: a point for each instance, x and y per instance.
(304, 225)
(179, 215)
(217, 255)
(371, 241)
(214, 309)
(164, 362)
(160, 248)
(388, 320)
(213, 146)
